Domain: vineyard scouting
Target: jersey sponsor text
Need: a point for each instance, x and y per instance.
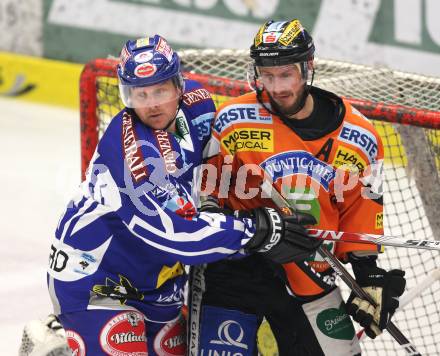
(299, 162)
(348, 159)
(248, 139)
(166, 150)
(360, 137)
(195, 96)
(132, 153)
(240, 114)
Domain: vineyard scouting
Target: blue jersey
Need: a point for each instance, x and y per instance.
(123, 238)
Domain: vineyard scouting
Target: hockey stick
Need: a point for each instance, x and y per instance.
(340, 270)
(341, 236)
(394, 241)
(413, 293)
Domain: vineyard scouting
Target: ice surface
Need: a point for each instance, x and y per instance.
(40, 169)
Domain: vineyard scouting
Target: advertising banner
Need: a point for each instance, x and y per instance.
(401, 34)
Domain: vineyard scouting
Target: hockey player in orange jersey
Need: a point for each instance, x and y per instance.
(325, 158)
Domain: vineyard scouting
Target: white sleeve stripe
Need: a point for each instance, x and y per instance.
(169, 232)
(244, 241)
(212, 148)
(221, 250)
(81, 211)
(90, 217)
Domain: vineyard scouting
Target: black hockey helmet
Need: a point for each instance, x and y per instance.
(279, 43)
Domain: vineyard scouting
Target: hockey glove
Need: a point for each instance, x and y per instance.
(44, 338)
(384, 287)
(211, 205)
(282, 238)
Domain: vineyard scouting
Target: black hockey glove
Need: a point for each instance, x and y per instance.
(282, 238)
(210, 205)
(385, 287)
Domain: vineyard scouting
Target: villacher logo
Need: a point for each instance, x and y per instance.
(171, 339)
(76, 343)
(124, 334)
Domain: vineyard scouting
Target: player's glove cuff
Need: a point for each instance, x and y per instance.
(282, 238)
(384, 287)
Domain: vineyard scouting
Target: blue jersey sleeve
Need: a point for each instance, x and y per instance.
(110, 203)
(198, 101)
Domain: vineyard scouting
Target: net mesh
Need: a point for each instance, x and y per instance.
(405, 110)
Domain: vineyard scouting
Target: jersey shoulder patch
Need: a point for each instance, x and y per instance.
(244, 109)
(199, 108)
(196, 98)
(194, 93)
(359, 133)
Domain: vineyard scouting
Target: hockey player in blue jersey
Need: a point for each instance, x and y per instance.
(116, 274)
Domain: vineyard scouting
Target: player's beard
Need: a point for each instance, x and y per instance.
(291, 108)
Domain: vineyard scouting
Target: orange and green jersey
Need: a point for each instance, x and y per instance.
(333, 174)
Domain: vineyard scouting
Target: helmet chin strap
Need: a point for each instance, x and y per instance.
(175, 116)
(171, 121)
(179, 83)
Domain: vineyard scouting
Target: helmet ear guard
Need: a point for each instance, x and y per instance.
(252, 78)
(179, 82)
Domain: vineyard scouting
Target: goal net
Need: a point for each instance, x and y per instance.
(405, 110)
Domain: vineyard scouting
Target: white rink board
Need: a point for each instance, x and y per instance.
(39, 151)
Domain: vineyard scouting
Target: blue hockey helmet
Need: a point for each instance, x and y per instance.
(145, 62)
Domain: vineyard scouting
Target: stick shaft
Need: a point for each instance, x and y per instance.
(268, 190)
(385, 240)
(279, 200)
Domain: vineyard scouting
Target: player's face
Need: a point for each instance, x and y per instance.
(156, 105)
(284, 84)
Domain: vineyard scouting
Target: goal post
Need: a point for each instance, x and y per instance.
(404, 108)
